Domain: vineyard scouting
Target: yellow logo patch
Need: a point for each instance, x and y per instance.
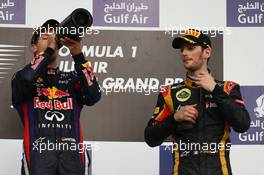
(183, 95)
(40, 80)
(87, 64)
(156, 111)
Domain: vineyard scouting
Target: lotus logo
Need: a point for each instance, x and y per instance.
(259, 110)
(183, 95)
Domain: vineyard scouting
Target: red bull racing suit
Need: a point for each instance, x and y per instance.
(201, 148)
(49, 103)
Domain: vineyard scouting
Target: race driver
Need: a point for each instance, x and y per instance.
(198, 113)
(49, 103)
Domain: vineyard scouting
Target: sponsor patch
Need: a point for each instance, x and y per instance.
(194, 33)
(88, 66)
(40, 80)
(228, 86)
(156, 111)
(183, 95)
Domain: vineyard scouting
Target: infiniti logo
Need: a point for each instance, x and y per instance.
(51, 114)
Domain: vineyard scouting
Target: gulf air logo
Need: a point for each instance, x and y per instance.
(259, 110)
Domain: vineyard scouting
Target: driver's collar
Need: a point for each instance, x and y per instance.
(190, 82)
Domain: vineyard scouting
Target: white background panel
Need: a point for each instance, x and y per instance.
(133, 158)
(40, 11)
(243, 56)
(247, 160)
(11, 155)
(125, 158)
(111, 158)
(202, 13)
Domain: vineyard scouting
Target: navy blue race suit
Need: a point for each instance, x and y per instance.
(49, 103)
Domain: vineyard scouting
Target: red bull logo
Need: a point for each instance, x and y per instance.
(57, 105)
(52, 93)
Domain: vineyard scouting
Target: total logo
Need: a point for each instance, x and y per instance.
(259, 110)
(57, 105)
(52, 93)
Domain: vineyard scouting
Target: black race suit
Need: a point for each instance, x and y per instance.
(201, 148)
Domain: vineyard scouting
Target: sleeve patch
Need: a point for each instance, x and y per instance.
(88, 66)
(36, 61)
(228, 86)
(157, 109)
(240, 101)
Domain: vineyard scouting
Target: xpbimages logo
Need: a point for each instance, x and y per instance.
(43, 144)
(60, 30)
(186, 149)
